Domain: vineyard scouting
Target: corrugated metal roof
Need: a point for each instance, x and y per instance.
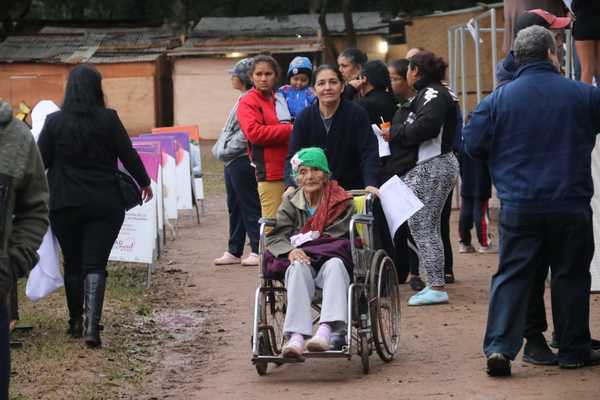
(213, 46)
(289, 25)
(74, 45)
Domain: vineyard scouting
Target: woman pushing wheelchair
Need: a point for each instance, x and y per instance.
(310, 243)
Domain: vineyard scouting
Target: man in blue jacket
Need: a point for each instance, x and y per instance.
(538, 132)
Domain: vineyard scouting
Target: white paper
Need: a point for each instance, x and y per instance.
(384, 146)
(301, 238)
(595, 203)
(399, 203)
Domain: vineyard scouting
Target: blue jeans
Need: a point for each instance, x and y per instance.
(4, 351)
(243, 205)
(527, 242)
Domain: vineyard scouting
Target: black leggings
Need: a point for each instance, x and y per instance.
(86, 235)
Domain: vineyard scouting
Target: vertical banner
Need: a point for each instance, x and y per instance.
(168, 148)
(137, 238)
(183, 168)
(154, 147)
(595, 266)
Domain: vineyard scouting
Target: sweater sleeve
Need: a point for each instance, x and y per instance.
(127, 154)
(278, 240)
(249, 116)
(425, 122)
(30, 220)
(367, 144)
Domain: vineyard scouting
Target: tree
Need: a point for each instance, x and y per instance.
(348, 22)
(12, 11)
(331, 51)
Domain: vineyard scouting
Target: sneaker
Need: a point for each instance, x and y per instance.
(537, 351)
(428, 296)
(487, 250)
(498, 365)
(251, 260)
(292, 349)
(227, 259)
(416, 283)
(337, 341)
(317, 343)
(592, 359)
(465, 248)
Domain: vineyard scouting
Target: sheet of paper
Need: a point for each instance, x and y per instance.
(384, 147)
(301, 238)
(399, 203)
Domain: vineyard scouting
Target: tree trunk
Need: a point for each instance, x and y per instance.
(347, 11)
(330, 49)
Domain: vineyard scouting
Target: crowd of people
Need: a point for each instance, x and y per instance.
(292, 152)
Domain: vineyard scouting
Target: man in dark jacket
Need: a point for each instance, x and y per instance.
(23, 218)
(536, 349)
(539, 147)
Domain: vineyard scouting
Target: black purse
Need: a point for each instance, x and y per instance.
(130, 191)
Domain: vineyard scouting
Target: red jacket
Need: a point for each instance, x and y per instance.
(267, 137)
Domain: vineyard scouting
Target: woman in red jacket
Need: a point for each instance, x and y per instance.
(267, 136)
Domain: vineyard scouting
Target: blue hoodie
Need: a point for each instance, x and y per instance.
(538, 133)
(506, 69)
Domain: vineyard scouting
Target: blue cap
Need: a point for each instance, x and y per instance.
(300, 65)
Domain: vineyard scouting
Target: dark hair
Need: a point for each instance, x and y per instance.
(401, 66)
(267, 59)
(377, 75)
(82, 121)
(84, 90)
(431, 67)
(355, 56)
(328, 67)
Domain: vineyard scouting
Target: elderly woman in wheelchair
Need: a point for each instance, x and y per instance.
(312, 230)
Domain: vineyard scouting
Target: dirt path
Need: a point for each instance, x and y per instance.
(208, 355)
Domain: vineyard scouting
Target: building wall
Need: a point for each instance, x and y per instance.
(202, 93)
(129, 89)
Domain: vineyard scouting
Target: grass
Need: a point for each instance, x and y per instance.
(212, 170)
(52, 366)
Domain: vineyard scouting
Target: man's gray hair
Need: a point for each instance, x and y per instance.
(532, 44)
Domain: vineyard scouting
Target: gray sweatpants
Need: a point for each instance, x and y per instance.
(300, 282)
(431, 182)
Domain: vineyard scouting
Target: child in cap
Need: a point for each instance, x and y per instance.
(298, 94)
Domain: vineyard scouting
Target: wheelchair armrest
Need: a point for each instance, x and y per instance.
(270, 222)
(363, 218)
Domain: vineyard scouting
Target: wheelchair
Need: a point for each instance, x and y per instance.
(373, 301)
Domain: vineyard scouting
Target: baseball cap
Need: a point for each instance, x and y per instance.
(241, 69)
(542, 18)
(300, 65)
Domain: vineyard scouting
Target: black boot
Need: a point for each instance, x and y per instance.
(94, 298)
(74, 293)
(537, 351)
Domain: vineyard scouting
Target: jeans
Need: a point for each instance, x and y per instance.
(473, 211)
(243, 205)
(527, 242)
(86, 236)
(4, 351)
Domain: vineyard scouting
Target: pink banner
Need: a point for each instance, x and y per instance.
(151, 162)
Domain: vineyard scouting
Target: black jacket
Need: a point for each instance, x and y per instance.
(379, 104)
(430, 124)
(350, 145)
(85, 174)
(403, 157)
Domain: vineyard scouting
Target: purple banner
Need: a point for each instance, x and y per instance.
(151, 162)
(167, 145)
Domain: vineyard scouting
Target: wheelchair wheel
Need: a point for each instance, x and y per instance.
(264, 347)
(364, 350)
(385, 306)
(274, 304)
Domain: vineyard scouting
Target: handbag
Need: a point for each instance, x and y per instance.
(130, 191)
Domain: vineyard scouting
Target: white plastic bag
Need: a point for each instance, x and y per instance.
(45, 277)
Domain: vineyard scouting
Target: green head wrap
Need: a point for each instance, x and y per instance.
(310, 157)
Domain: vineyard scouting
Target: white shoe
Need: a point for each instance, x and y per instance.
(292, 349)
(227, 259)
(317, 343)
(251, 260)
(465, 248)
(487, 249)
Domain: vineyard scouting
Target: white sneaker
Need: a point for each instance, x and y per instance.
(317, 343)
(487, 249)
(227, 259)
(251, 260)
(465, 248)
